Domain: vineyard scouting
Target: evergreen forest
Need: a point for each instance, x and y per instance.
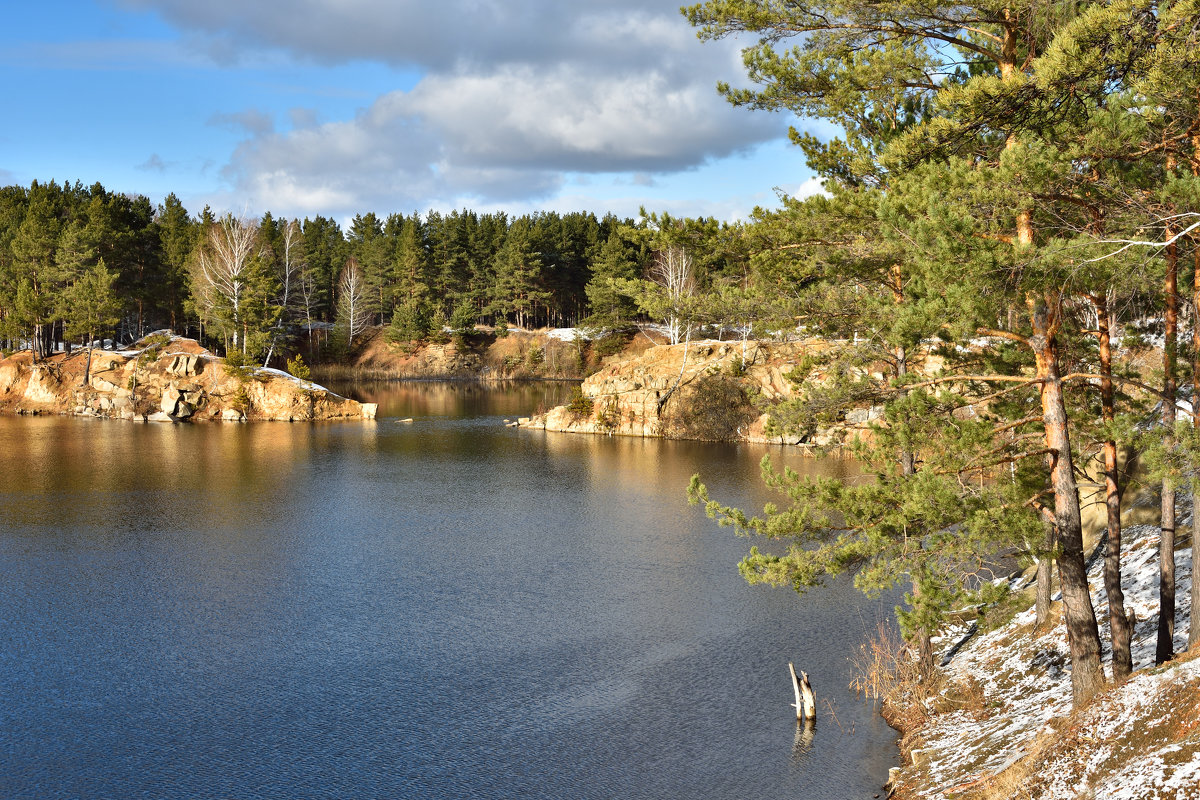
(79, 263)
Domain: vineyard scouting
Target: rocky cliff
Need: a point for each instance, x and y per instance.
(684, 391)
(164, 378)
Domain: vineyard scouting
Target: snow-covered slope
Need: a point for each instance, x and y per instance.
(1020, 739)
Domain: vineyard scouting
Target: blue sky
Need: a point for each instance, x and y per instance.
(337, 107)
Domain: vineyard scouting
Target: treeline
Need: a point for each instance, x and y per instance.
(80, 262)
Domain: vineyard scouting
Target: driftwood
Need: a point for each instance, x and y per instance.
(806, 702)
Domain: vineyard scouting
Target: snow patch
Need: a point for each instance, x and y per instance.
(1027, 685)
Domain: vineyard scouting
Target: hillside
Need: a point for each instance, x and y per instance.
(548, 354)
(1001, 726)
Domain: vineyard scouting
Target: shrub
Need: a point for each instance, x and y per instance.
(581, 405)
(610, 344)
(885, 669)
(409, 323)
(297, 368)
(534, 356)
(610, 415)
(437, 326)
(501, 329)
(152, 347)
(462, 321)
(713, 408)
(241, 400)
(238, 365)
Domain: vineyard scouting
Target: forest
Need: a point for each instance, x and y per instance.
(78, 263)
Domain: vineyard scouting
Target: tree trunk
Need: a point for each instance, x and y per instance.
(923, 638)
(1165, 647)
(1045, 577)
(1194, 617)
(1119, 628)
(87, 367)
(1087, 674)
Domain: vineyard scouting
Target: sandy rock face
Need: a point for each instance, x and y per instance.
(641, 396)
(164, 378)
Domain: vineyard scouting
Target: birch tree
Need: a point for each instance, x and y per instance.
(672, 272)
(222, 275)
(353, 304)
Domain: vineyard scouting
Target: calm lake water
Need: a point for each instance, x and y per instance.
(443, 609)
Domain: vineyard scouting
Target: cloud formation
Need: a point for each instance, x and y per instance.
(153, 164)
(251, 121)
(514, 97)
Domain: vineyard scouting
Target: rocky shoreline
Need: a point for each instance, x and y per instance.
(164, 378)
(645, 395)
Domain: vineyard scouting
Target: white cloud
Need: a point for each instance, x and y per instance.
(503, 136)
(513, 96)
(436, 36)
(811, 187)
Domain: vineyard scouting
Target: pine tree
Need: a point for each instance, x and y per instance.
(518, 266)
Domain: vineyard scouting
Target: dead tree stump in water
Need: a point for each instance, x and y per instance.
(806, 702)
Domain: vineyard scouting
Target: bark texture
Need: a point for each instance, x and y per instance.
(1087, 674)
(1121, 633)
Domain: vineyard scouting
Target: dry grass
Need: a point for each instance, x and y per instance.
(885, 669)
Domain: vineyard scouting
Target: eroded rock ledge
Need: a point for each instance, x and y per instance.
(164, 378)
(629, 397)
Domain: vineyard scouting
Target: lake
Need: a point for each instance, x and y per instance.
(447, 608)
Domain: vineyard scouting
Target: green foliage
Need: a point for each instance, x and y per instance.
(90, 304)
(609, 416)
(152, 347)
(410, 323)
(501, 329)
(580, 405)
(240, 399)
(297, 368)
(532, 269)
(534, 357)
(462, 320)
(239, 365)
(610, 344)
(437, 326)
(927, 527)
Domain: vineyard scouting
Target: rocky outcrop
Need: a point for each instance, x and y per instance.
(164, 378)
(484, 356)
(646, 395)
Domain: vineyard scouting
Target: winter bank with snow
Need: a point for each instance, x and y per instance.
(1004, 726)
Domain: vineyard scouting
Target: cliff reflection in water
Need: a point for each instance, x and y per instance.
(447, 608)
